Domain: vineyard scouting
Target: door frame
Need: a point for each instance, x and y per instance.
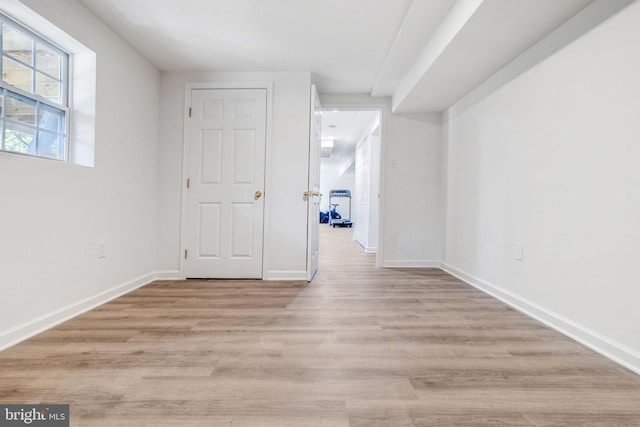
(381, 108)
(188, 87)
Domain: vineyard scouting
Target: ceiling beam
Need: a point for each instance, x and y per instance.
(420, 22)
(452, 24)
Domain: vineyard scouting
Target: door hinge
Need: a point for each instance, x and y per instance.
(186, 253)
(189, 111)
(188, 183)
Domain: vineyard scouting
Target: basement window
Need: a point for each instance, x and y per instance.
(34, 108)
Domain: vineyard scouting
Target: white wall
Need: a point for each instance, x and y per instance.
(550, 160)
(411, 192)
(53, 214)
(412, 213)
(287, 168)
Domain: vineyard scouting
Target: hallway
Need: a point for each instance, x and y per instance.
(358, 346)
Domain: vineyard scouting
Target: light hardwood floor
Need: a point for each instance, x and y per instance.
(356, 347)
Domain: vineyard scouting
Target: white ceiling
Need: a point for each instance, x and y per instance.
(344, 128)
(427, 54)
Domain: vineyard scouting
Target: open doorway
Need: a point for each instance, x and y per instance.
(350, 173)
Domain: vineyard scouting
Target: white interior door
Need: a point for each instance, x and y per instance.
(225, 204)
(313, 193)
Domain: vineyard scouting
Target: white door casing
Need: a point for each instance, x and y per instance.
(313, 192)
(362, 196)
(224, 226)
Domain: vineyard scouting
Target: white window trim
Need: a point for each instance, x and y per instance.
(63, 79)
(82, 82)
(64, 71)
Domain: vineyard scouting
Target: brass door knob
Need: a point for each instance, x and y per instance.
(258, 194)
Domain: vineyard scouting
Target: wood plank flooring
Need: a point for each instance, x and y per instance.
(357, 346)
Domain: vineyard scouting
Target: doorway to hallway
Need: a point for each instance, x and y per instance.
(350, 167)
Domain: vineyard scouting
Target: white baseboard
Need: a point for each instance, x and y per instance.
(410, 263)
(27, 330)
(168, 275)
(619, 353)
(285, 275)
(367, 249)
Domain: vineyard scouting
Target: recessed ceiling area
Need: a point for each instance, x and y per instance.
(340, 133)
(476, 39)
(424, 54)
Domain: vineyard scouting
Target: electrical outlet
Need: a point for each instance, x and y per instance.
(519, 252)
(101, 249)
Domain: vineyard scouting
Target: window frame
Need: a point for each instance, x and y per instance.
(7, 89)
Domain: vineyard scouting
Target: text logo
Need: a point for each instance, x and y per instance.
(34, 415)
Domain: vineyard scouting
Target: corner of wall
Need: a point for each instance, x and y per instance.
(609, 348)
